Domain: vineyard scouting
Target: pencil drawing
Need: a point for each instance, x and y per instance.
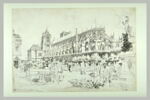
(74, 49)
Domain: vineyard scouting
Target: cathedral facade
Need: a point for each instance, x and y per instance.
(86, 43)
(90, 42)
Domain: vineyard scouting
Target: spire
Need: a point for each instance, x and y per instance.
(45, 32)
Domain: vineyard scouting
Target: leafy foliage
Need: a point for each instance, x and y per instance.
(126, 44)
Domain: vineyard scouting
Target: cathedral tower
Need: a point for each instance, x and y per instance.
(46, 42)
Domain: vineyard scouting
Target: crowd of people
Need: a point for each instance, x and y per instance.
(103, 69)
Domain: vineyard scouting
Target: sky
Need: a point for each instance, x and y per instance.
(30, 23)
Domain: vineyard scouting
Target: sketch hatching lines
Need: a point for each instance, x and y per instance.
(90, 60)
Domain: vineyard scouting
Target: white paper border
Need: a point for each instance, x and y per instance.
(141, 30)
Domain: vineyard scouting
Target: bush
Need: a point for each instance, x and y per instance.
(35, 80)
(126, 44)
(87, 83)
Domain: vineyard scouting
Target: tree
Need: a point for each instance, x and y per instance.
(126, 44)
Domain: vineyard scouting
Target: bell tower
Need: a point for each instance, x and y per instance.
(46, 42)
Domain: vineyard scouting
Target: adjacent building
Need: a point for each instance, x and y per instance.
(35, 53)
(16, 48)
